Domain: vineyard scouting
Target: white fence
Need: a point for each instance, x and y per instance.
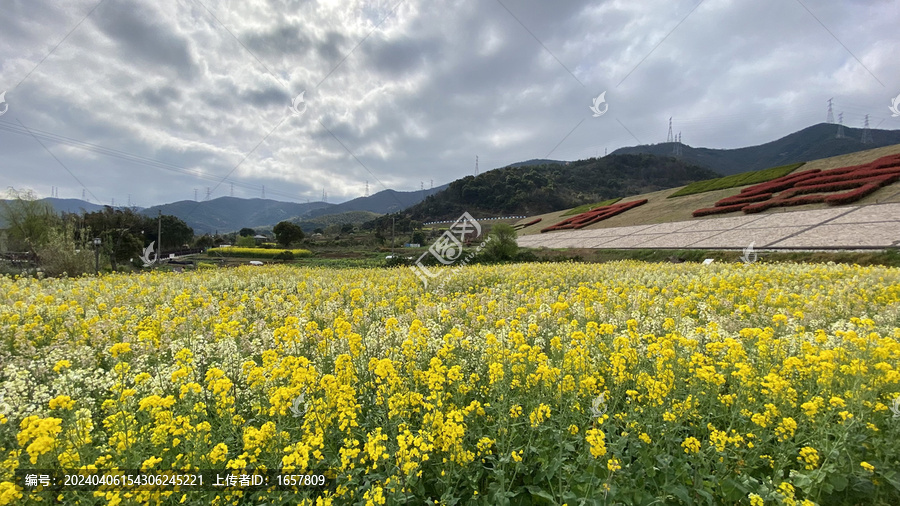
(479, 219)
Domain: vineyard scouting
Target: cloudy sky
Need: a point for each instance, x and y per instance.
(155, 99)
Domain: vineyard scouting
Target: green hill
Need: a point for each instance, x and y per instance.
(811, 143)
(537, 189)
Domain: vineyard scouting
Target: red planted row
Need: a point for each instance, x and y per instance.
(594, 215)
(737, 199)
(840, 185)
(800, 188)
(717, 210)
(855, 175)
(846, 198)
(795, 201)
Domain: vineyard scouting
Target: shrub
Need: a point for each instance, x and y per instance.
(284, 255)
(502, 245)
(65, 254)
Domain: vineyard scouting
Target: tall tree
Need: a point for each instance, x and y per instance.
(27, 220)
(287, 233)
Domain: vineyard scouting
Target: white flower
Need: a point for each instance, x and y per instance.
(895, 407)
(598, 406)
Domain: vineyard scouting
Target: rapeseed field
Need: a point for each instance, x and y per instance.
(618, 383)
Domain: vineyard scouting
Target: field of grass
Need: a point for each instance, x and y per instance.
(254, 252)
(887, 258)
(617, 383)
(743, 179)
(588, 207)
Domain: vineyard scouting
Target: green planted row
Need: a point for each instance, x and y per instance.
(733, 181)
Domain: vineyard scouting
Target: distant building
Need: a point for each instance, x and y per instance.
(260, 238)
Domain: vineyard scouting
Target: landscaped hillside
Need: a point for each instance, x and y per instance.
(674, 205)
(812, 143)
(544, 188)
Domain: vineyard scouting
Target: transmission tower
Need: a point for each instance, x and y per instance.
(670, 137)
(232, 189)
(678, 145)
(324, 196)
(367, 188)
(129, 200)
(82, 195)
(476, 165)
(195, 195)
(113, 203)
(840, 132)
(866, 135)
(208, 192)
(421, 186)
(830, 117)
(264, 191)
(431, 185)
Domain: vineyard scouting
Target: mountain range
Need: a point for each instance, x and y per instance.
(523, 182)
(811, 143)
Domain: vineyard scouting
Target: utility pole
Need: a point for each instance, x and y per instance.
(159, 238)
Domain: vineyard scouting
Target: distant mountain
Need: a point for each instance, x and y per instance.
(74, 206)
(812, 143)
(383, 202)
(348, 217)
(537, 189)
(227, 214)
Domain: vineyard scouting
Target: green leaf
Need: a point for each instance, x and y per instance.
(539, 492)
(839, 482)
(681, 492)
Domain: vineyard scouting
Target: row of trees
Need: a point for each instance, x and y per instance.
(62, 243)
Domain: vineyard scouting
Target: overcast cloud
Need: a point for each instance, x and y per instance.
(175, 95)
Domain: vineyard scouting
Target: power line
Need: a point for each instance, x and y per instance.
(124, 155)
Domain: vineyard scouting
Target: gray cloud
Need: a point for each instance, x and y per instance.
(433, 85)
